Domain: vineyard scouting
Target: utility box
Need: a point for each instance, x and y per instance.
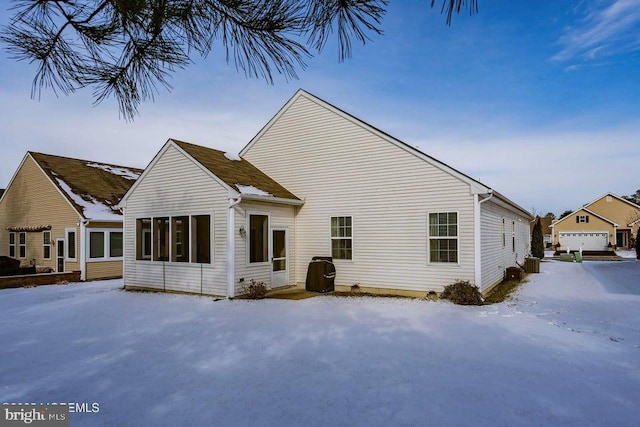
(321, 275)
(513, 273)
(532, 265)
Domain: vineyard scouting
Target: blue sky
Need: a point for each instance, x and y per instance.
(539, 100)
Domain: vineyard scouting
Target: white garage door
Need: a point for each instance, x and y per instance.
(593, 241)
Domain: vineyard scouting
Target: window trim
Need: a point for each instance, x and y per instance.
(66, 244)
(457, 238)
(22, 245)
(248, 214)
(191, 215)
(352, 238)
(106, 244)
(45, 245)
(13, 245)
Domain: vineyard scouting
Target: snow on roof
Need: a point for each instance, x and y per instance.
(92, 208)
(120, 171)
(232, 156)
(251, 190)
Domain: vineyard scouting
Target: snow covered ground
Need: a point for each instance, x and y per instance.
(564, 351)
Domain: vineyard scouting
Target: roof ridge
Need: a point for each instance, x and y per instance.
(83, 160)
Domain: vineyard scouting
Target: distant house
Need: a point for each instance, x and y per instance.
(607, 222)
(545, 223)
(60, 213)
(316, 181)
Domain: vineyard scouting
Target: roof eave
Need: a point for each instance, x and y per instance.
(271, 199)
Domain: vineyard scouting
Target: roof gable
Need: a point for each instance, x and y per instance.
(545, 223)
(617, 198)
(237, 175)
(585, 210)
(476, 186)
(93, 188)
(240, 174)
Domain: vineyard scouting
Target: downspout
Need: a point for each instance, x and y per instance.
(477, 238)
(231, 247)
(83, 249)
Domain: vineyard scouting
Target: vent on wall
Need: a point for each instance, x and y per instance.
(609, 199)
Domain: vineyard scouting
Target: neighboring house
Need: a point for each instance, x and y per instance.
(545, 224)
(608, 221)
(394, 219)
(60, 213)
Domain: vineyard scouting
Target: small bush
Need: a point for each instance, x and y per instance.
(462, 293)
(255, 290)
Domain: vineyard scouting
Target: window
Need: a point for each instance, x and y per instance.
(46, 245)
(258, 238)
(71, 244)
(342, 237)
(201, 239)
(22, 246)
(105, 244)
(513, 236)
(143, 239)
(115, 244)
(12, 245)
(443, 237)
(179, 239)
(175, 239)
(580, 219)
(161, 239)
(96, 244)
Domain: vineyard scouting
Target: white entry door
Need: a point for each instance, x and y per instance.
(279, 260)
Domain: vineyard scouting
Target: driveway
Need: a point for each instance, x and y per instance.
(617, 277)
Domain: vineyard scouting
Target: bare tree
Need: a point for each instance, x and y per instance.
(126, 48)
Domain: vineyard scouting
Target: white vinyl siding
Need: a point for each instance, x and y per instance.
(336, 166)
(176, 186)
(496, 257)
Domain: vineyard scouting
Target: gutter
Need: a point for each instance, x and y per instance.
(271, 199)
(477, 237)
(231, 246)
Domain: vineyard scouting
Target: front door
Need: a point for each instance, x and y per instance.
(621, 239)
(60, 255)
(279, 260)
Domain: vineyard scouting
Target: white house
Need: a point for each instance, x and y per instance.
(317, 181)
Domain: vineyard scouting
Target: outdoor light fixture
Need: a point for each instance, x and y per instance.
(243, 231)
